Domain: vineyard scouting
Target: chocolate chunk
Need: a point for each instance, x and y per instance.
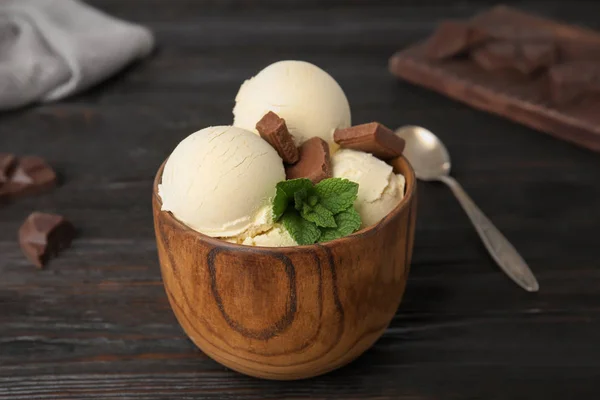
(371, 138)
(31, 175)
(494, 56)
(523, 56)
(7, 164)
(452, 38)
(570, 82)
(43, 236)
(578, 49)
(314, 162)
(275, 132)
(516, 32)
(538, 55)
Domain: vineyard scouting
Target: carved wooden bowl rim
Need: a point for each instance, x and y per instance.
(410, 188)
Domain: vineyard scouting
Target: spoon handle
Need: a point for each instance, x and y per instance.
(498, 246)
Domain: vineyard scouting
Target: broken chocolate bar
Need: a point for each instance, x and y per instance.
(524, 99)
(572, 81)
(452, 38)
(275, 132)
(515, 32)
(7, 164)
(521, 55)
(43, 236)
(494, 56)
(30, 175)
(371, 138)
(577, 48)
(539, 54)
(314, 162)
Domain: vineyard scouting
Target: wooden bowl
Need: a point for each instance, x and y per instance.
(289, 312)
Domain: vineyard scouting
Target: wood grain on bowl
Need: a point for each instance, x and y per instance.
(287, 313)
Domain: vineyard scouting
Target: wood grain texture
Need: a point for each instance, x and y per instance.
(97, 324)
(527, 102)
(287, 313)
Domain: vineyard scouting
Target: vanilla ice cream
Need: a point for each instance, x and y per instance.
(379, 189)
(221, 180)
(308, 98)
(277, 236)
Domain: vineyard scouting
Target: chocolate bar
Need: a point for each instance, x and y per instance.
(371, 138)
(532, 100)
(515, 32)
(521, 55)
(570, 82)
(30, 175)
(314, 162)
(453, 38)
(43, 236)
(273, 129)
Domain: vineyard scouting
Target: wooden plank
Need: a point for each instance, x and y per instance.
(522, 101)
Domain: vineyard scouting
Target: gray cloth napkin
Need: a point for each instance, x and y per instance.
(50, 49)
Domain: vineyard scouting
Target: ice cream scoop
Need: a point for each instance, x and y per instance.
(275, 237)
(309, 100)
(220, 181)
(379, 188)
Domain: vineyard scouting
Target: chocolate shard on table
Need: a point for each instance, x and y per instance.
(7, 164)
(453, 38)
(314, 162)
(570, 82)
(42, 236)
(521, 55)
(372, 138)
(31, 175)
(273, 129)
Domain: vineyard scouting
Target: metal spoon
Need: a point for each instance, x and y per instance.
(431, 162)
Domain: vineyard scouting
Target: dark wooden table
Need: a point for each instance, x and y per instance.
(96, 323)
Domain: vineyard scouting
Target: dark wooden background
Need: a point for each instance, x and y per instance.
(96, 323)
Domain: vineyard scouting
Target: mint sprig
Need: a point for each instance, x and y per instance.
(319, 215)
(285, 191)
(336, 194)
(320, 212)
(347, 221)
(303, 231)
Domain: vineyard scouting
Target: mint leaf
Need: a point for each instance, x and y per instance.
(318, 214)
(291, 186)
(300, 197)
(280, 203)
(285, 193)
(336, 194)
(347, 221)
(301, 230)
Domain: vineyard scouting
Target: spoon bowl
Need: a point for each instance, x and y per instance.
(427, 154)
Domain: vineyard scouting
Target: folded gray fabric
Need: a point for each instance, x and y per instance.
(50, 49)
